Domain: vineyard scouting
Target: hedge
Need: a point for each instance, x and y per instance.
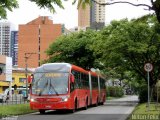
(115, 91)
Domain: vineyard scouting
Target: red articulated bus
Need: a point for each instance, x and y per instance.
(62, 86)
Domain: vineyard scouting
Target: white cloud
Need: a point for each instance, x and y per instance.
(69, 16)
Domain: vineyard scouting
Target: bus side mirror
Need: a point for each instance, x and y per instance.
(30, 78)
(72, 78)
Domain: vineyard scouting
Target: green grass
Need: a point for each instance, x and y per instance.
(109, 98)
(18, 109)
(141, 109)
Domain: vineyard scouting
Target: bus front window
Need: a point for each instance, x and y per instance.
(50, 83)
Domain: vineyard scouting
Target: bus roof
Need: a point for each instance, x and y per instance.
(74, 67)
(61, 67)
(51, 67)
(93, 73)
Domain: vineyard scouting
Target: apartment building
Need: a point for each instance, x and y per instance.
(34, 38)
(92, 16)
(5, 28)
(14, 47)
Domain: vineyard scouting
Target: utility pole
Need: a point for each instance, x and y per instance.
(39, 44)
(27, 55)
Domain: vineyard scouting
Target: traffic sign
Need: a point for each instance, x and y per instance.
(148, 67)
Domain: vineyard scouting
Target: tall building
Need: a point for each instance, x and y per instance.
(34, 38)
(5, 28)
(14, 47)
(92, 16)
(99, 12)
(84, 17)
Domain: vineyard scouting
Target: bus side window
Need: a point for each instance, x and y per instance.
(71, 87)
(76, 76)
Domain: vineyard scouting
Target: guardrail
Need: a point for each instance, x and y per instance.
(14, 99)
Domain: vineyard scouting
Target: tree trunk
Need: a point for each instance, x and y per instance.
(156, 8)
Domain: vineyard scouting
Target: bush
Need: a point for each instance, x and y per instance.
(115, 91)
(156, 92)
(143, 93)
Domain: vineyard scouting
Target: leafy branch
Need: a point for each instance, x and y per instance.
(111, 3)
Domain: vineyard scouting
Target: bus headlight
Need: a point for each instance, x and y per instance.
(32, 100)
(65, 99)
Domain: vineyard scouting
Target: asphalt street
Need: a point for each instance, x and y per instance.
(117, 109)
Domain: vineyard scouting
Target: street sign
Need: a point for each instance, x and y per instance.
(148, 67)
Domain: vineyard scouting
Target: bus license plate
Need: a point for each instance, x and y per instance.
(47, 106)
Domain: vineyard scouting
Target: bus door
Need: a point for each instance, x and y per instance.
(90, 88)
(99, 89)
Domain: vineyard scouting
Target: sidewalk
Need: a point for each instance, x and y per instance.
(129, 98)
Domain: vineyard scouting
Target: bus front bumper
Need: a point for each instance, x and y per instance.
(51, 106)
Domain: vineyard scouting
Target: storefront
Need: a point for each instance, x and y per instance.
(5, 72)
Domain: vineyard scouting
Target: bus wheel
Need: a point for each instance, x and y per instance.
(75, 107)
(73, 110)
(102, 103)
(104, 100)
(96, 103)
(42, 111)
(86, 105)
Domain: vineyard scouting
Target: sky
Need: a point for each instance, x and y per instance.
(28, 11)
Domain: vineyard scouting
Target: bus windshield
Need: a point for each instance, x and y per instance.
(50, 83)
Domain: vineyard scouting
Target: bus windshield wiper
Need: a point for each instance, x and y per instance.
(50, 87)
(36, 82)
(53, 88)
(40, 93)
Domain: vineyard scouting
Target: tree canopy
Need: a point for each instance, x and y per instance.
(11, 4)
(120, 47)
(128, 45)
(73, 48)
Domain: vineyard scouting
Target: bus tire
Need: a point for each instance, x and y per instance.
(96, 103)
(73, 110)
(42, 111)
(86, 105)
(104, 100)
(75, 107)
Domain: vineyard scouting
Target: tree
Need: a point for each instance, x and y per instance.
(11, 4)
(7, 5)
(128, 45)
(73, 48)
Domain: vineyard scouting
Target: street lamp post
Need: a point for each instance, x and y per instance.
(27, 55)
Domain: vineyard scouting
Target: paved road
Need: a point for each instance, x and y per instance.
(117, 109)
